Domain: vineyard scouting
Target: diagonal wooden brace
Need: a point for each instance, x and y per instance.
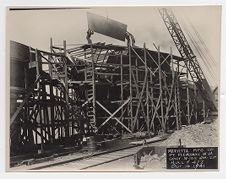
(113, 114)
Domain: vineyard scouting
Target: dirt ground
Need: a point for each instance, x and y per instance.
(198, 135)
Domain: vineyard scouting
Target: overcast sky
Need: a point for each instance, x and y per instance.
(34, 28)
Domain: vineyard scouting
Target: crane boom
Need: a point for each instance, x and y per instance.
(189, 57)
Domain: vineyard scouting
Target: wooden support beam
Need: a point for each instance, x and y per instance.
(139, 102)
(121, 82)
(161, 92)
(188, 100)
(141, 60)
(169, 100)
(113, 117)
(178, 96)
(195, 106)
(93, 86)
(113, 114)
(204, 109)
(147, 90)
(130, 87)
(155, 107)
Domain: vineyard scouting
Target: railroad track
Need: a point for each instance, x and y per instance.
(86, 161)
(97, 160)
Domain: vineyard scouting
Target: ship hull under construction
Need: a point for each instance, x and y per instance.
(107, 91)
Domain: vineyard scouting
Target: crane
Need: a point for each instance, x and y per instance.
(189, 57)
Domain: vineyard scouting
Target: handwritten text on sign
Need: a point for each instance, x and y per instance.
(192, 158)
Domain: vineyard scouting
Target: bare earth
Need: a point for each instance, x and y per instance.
(198, 135)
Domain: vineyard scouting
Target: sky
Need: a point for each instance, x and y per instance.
(35, 28)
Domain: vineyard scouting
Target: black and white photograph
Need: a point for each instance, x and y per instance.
(126, 88)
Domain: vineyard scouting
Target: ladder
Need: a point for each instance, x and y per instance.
(90, 89)
(189, 57)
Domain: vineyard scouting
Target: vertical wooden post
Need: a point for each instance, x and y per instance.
(44, 106)
(39, 98)
(37, 67)
(121, 81)
(65, 72)
(51, 45)
(26, 78)
(178, 95)
(188, 97)
(137, 73)
(176, 106)
(93, 86)
(204, 110)
(50, 67)
(130, 86)
(195, 105)
(85, 72)
(50, 58)
(174, 88)
(137, 81)
(57, 118)
(66, 129)
(161, 91)
(152, 100)
(52, 114)
(147, 91)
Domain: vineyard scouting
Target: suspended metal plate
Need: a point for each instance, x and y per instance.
(107, 26)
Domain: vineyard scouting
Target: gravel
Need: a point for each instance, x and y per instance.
(197, 135)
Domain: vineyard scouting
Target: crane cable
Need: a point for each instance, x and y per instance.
(209, 55)
(204, 59)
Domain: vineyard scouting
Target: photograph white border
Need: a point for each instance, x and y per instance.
(59, 175)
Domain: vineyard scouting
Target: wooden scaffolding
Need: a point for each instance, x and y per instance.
(130, 89)
(77, 91)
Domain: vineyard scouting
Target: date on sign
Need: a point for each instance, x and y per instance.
(192, 158)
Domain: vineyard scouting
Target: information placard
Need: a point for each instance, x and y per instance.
(192, 158)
